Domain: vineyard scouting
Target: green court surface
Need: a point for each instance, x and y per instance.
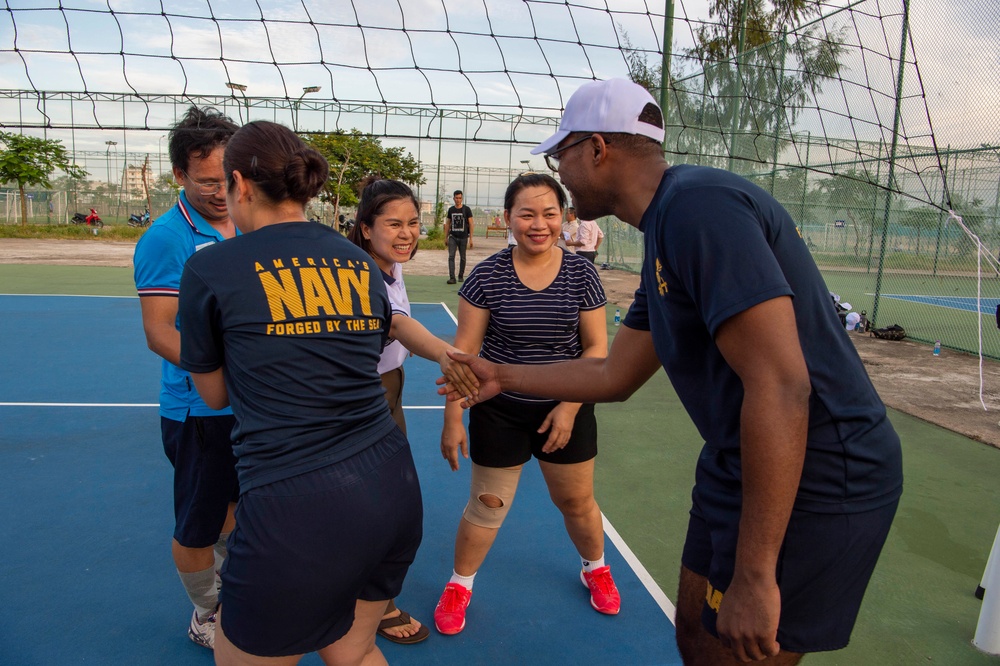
(920, 606)
(929, 307)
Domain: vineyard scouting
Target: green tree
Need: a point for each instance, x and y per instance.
(719, 39)
(746, 92)
(165, 183)
(922, 219)
(28, 160)
(851, 194)
(353, 156)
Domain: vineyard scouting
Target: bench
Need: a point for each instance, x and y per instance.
(497, 229)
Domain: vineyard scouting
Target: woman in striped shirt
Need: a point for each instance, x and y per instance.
(531, 303)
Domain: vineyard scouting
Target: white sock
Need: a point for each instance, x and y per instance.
(590, 565)
(464, 581)
(219, 550)
(200, 587)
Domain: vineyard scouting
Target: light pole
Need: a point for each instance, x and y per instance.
(159, 154)
(107, 158)
(295, 111)
(996, 201)
(527, 165)
(243, 91)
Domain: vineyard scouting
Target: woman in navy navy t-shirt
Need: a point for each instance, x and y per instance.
(287, 323)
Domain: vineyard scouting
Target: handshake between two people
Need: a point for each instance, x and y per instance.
(458, 386)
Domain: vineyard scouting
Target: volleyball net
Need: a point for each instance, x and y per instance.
(872, 121)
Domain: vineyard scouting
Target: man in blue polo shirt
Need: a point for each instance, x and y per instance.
(801, 472)
(196, 439)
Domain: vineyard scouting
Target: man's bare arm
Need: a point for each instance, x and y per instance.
(159, 317)
(212, 388)
(762, 346)
(629, 364)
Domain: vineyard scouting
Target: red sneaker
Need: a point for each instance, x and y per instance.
(604, 595)
(449, 616)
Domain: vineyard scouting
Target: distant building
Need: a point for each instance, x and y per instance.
(133, 182)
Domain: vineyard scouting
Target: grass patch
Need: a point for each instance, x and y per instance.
(436, 244)
(71, 232)
(117, 232)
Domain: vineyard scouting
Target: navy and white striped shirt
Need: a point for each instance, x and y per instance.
(527, 326)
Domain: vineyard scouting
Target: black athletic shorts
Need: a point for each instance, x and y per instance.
(205, 482)
(305, 549)
(824, 565)
(503, 433)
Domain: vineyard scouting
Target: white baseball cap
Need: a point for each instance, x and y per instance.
(604, 106)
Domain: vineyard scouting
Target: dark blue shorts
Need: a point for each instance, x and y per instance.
(201, 451)
(504, 433)
(824, 565)
(305, 549)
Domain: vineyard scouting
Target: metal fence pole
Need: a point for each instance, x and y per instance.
(737, 91)
(892, 154)
(805, 182)
(668, 44)
(944, 202)
(437, 183)
(871, 234)
(777, 105)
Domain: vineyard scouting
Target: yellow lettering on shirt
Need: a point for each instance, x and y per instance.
(283, 295)
(713, 597)
(661, 284)
(340, 289)
(315, 293)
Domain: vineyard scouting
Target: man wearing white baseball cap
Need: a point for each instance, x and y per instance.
(801, 472)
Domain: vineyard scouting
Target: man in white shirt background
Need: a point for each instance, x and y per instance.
(588, 238)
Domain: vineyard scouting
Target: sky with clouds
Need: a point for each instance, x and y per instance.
(499, 56)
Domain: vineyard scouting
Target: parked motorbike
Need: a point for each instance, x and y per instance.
(136, 220)
(92, 220)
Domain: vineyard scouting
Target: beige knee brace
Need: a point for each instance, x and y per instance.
(499, 483)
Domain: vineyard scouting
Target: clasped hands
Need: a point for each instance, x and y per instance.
(468, 379)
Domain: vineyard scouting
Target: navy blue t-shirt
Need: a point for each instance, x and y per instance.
(297, 316)
(717, 245)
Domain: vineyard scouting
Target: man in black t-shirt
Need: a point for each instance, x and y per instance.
(458, 233)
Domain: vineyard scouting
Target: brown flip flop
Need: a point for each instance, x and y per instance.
(398, 621)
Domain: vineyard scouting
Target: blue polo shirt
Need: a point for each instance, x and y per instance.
(159, 260)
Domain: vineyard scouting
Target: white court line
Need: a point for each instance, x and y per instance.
(641, 573)
(659, 596)
(454, 319)
(644, 577)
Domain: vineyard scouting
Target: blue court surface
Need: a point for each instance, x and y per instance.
(87, 518)
(986, 306)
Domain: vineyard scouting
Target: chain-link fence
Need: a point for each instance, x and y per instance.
(893, 181)
(891, 170)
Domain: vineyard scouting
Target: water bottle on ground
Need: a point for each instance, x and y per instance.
(618, 317)
(937, 348)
